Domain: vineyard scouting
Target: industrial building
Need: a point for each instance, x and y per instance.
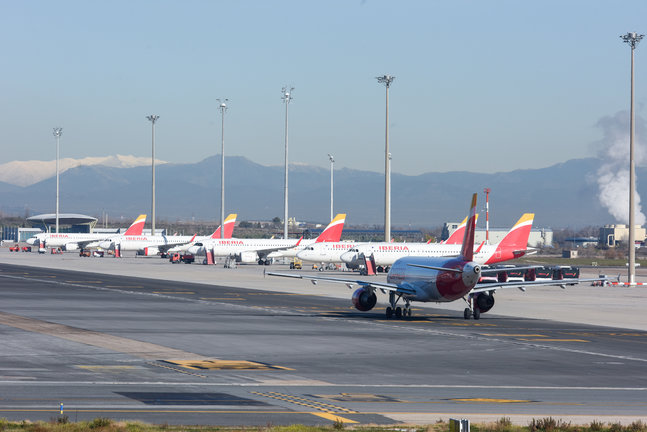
(613, 235)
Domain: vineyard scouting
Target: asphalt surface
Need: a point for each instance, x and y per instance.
(169, 351)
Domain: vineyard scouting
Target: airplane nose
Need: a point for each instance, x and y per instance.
(348, 257)
(302, 254)
(105, 245)
(32, 241)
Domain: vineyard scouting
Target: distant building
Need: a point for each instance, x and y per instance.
(613, 235)
(539, 237)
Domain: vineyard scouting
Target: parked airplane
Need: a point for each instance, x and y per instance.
(513, 245)
(331, 252)
(153, 245)
(257, 250)
(330, 235)
(433, 279)
(230, 222)
(74, 241)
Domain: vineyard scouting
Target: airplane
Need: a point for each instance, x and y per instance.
(153, 245)
(74, 241)
(230, 222)
(330, 235)
(513, 245)
(433, 279)
(331, 252)
(258, 250)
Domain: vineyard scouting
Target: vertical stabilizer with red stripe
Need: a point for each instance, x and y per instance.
(467, 250)
(137, 227)
(333, 231)
(230, 221)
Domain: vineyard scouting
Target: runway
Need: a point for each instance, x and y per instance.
(166, 351)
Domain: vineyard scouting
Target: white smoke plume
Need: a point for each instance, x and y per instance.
(613, 175)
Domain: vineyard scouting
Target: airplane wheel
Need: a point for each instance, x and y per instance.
(398, 312)
(261, 262)
(467, 313)
(409, 312)
(389, 312)
(477, 314)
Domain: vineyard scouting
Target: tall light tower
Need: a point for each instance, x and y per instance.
(632, 39)
(222, 107)
(57, 133)
(287, 97)
(487, 215)
(332, 165)
(153, 119)
(387, 80)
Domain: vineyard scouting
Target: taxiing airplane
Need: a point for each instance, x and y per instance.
(74, 241)
(433, 279)
(513, 245)
(258, 250)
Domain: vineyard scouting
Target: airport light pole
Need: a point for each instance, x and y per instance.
(57, 133)
(387, 80)
(222, 108)
(287, 97)
(632, 39)
(153, 119)
(332, 164)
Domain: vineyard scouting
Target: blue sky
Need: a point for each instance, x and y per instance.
(480, 85)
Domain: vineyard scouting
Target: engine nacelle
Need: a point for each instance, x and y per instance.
(71, 246)
(151, 251)
(247, 257)
(364, 299)
(484, 301)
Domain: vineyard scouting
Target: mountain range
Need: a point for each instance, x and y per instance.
(562, 196)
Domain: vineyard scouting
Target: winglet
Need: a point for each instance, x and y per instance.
(137, 227)
(467, 250)
(333, 231)
(301, 238)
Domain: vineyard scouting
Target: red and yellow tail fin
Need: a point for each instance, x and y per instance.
(230, 222)
(467, 250)
(457, 235)
(333, 231)
(137, 227)
(517, 237)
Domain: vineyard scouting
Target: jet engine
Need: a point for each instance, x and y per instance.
(484, 301)
(150, 251)
(364, 299)
(247, 257)
(71, 246)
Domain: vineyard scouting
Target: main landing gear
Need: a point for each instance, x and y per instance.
(471, 310)
(393, 309)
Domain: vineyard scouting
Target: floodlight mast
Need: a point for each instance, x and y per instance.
(153, 119)
(222, 107)
(387, 80)
(57, 133)
(287, 97)
(332, 165)
(632, 38)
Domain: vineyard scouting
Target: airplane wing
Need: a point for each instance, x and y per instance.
(83, 244)
(384, 286)
(484, 287)
(264, 252)
(165, 247)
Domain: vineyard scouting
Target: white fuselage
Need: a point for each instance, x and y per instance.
(62, 239)
(330, 252)
(231, 247)
(140, 242)
(385, 254)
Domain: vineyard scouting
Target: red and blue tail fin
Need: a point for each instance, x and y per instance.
(137, 227)
(467, 250)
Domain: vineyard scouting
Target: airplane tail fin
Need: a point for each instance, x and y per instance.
(517, 238)
(457, 235)
(229, 223)
(333, 231)
(137, 227)
(467, 250)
